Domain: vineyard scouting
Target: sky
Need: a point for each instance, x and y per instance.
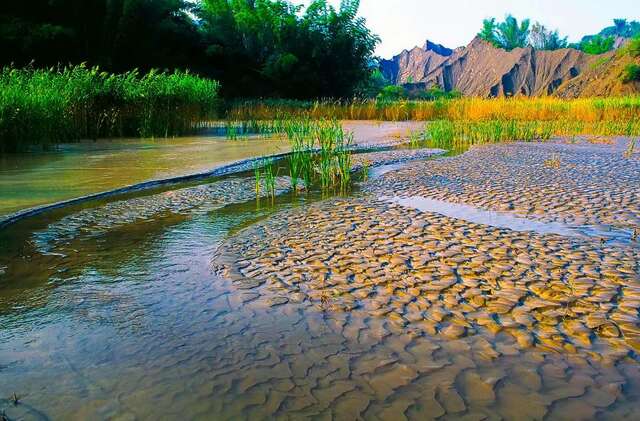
(403, 24)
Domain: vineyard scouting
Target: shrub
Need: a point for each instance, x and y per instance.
(631, 73)
(633, 47)
(392, 92)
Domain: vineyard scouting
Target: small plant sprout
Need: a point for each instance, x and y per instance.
(630, 149)
(366, 167)
(270, 175)
(257, 172)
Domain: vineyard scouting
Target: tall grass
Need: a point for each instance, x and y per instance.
(320, 155)
(588, 110)
(459, 135)
(45, 107)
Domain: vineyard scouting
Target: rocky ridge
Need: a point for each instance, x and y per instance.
(480, 69)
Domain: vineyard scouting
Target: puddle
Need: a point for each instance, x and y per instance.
(508, 220)
(378, 172)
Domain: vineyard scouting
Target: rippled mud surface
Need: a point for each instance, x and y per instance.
(196, 303)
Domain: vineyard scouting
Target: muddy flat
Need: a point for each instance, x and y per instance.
(502, 283)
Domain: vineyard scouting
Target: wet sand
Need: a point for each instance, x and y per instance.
(552, 303)
(195, 302)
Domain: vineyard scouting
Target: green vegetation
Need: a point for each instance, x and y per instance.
(459, 135)
(633, 47)
(117, 35)
(542, 38)
(597, 45)
(257, 48)
(620, 28)
(631, 73)
(44, 107)
(509, 34)
(320, 154)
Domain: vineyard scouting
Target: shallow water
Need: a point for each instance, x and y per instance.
(141, 307)
(28, 180)
(508, 220)
(75, 170)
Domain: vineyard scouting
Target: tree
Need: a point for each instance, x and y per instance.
(597, 45)
(541, 38)
(508, 34)
(272, 48)
(620, 24)
(115, 34)
(512, 35)
(488, 31)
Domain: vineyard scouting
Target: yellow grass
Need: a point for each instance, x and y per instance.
(589, 110)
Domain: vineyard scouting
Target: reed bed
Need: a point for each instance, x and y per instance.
(588, 110)
(50, 106)
(459, 135)
(320, 155)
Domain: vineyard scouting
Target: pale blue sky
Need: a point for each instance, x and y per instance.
(406, 23)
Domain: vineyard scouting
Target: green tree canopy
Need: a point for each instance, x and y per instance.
(264, 47)
(508, 34)
(597, 45)
(254, 47)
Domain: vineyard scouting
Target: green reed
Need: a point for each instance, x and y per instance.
(257, 171)
(459, 135)
(270, 175)
(265, 175)
(320, 152)
(43, 107)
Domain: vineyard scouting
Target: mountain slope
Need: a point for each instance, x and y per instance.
(602, 78)
(411, 66)
(481, 69)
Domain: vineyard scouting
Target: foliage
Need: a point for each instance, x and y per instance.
(392, 93)
(459, 135)
(633, 47)
(256, 48)
(509, 34)
(373, 85)
(631, 73)
(512, 34)
(488, 31)
(542, 38)
(44, 107)
(273, 48)
(620, 28)
(435, 93)
(118, 35)
(597, 45)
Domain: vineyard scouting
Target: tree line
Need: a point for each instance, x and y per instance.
(511, 33)
(255, 48)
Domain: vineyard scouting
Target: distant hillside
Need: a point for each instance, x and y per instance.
(602, 78)
(411, 66)
(480, 69)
